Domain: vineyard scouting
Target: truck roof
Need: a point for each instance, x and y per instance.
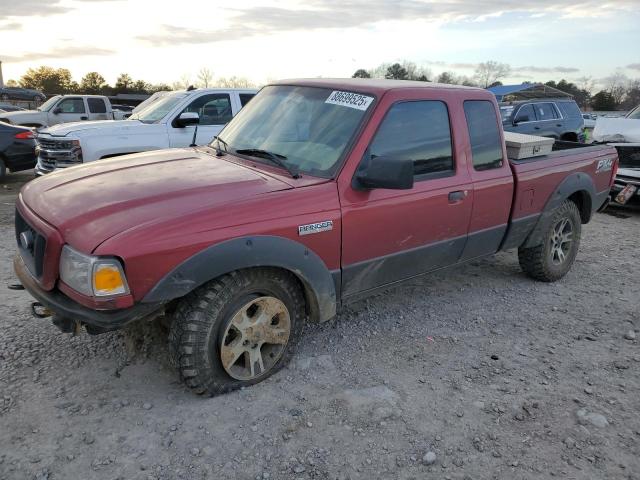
(371, 85)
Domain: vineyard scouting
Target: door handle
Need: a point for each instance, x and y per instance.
(558, 124)
(84, 118)
(537, 128)
(457, 196)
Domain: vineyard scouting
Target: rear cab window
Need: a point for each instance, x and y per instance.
(484, 134)
(419, 131)
(97, 105)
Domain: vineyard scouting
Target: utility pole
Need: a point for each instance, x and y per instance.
(1, 80)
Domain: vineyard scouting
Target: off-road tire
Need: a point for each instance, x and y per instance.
(537, 261)
(202, 317)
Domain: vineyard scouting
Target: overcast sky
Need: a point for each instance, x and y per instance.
(161, 40)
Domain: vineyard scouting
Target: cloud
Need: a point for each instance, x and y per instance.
(10, 26)
(59, 52)
(634, 66)
(341, 14)
(534, 69)
(29, 8)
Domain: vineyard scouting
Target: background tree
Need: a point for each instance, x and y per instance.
(49, 80)
(603, 101)
(361, 73)
(159, 87)
(617, 85)
(632, 97)
(205, 76)
(93, 84)
(582, 97)
(234, 82)
(415, 72)
(140, 86)
(447, 77)
(124, 83)
(396, 72)
(11, 83)
(489, 72)
(183, 83)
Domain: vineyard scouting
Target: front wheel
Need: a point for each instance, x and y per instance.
(553, 258)
(237, 330)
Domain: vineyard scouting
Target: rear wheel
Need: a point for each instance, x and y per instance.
(553, 258)
(237, 330)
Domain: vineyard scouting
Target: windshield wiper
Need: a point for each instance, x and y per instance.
(219, 152)
(274, 157)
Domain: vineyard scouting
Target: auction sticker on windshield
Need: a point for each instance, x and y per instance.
(348, 99)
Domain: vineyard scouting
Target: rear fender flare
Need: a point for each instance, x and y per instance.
(574, 183)
(251, 252)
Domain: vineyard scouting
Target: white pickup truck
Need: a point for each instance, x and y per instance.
(168, 122)
(65, 109)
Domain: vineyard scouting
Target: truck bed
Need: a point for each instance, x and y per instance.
(537, 178)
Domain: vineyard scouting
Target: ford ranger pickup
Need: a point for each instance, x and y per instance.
(318, 193)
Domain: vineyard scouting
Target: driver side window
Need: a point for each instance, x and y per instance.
(213, 109)
(72, 105)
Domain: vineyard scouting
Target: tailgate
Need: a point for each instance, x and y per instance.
(589, 168)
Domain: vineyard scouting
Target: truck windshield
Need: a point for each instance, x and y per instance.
(46, 106)
(157, 110)
(309, 128)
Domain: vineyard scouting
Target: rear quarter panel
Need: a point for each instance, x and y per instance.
(537, 180)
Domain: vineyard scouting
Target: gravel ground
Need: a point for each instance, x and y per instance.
(472, 373)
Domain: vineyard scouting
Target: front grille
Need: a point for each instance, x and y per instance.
(56, 153)
(52, 144)
(33, 252)
(629, 156)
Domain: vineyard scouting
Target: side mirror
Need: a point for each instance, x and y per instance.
(523, 118)
(57, 111)
(187, 118)
(385, 172)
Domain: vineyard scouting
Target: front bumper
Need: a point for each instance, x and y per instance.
(66, 309)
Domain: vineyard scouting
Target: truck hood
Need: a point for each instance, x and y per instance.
(90, 203)
(25, 116)
(105, 126)
(616, 130)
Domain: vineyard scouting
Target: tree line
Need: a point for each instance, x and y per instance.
(59, 81)
(618, 92)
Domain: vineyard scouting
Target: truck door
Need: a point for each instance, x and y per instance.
(97, 109)
(391, 235)
(214, 110)
(69, 109)
(492, 179)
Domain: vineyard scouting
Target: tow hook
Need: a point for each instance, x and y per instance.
(40, 311)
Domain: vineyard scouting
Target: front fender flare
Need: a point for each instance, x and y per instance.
(251, 252)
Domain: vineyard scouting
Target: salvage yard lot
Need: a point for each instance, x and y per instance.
(497, 375)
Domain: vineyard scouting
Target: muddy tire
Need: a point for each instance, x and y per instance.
(553, 258)
(237, 330)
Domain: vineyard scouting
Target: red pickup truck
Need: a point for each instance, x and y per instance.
(318, 193)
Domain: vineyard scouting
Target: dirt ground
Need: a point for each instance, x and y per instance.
(472, 373)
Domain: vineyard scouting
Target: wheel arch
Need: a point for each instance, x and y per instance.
(578, 188)
(316, 279)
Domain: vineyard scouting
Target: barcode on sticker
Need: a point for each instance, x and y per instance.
(348, 99)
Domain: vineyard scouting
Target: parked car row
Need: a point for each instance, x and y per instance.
(18, 93)
(176, 119)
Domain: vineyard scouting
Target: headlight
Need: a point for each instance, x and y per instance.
(89, 275)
